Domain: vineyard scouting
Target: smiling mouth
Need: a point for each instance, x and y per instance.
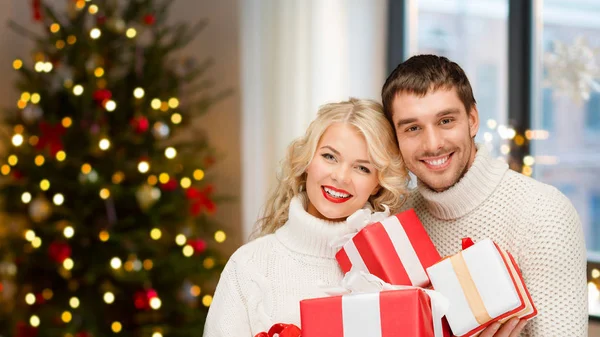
(335, 195)
(438, 163)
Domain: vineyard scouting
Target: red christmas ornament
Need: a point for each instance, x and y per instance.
(59, 251)
(199, 245)
(23, 329)
(101, 20)
(36, 6)
(50, 137)
(17, 175)
(199, 200)
(141, 298)
(170, 185)
(140, 124)
(101, 96)
(149, 19)
(39, 299)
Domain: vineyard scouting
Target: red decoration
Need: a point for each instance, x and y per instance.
(200, 200)
(83, 334)
(50, 137)
(101, 96)
(170, 185)
(140, 124)
(59, 251)
(141, 299)
(23, 329)
(149, 19)
(199, 245)
(100, 20)
(39, 299)
(36, 6)
(281, 330)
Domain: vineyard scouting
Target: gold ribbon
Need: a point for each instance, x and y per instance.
(469, 289)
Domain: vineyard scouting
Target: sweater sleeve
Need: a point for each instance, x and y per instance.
(554, 269)
(228, 313)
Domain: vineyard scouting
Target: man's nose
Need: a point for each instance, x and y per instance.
(433, 141)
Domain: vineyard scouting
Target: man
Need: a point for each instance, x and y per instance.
(463, 192)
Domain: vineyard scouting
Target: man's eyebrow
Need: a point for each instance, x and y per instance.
(449, 111)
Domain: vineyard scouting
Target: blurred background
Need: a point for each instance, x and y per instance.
(263, 68)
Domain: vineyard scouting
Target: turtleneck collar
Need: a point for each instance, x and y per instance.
(470, 191)
(306, 234)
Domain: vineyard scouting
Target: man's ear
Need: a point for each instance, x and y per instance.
(473, 116)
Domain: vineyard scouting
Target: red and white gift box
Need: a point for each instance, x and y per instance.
(396, 249)
(483, 285)
(406, 311)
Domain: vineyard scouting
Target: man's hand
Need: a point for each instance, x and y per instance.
(512, 328)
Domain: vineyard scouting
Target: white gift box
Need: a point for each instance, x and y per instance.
(483, 285)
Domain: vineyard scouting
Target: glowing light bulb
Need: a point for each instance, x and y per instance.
(17, 140)
(95, 33)
(104, 144)
(138, 93)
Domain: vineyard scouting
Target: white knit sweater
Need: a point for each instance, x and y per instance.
(533, 221)
(264, 280)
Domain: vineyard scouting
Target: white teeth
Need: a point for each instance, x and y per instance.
(437, 162)
(335, 194)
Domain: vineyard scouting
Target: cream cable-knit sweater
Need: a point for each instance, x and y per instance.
(264, 280)
(533, 221)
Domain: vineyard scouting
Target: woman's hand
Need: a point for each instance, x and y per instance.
(512, 328)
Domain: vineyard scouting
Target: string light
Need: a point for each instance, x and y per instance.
(220, 236)
(164, 106)
(110, 106)
(104, 193)
(17, 140)
(195, 291)
(198, 174)
(207, 300)
(44, 184)
(93, 9)
(17, 64)
(155, 303)
(131, 33)
(39, 66)
(116, 327)
(29, 235)
(36, 242)
(595, 273)
(71, 39)
(33, 140)
(148, 264)
(99, 72)
(80, 4)
(21, 104)
(68, 232)
(115, 263)
(118, 177)
(208, 263)
(5, 169)
(143, 166)
(47, 294)
(68, 264)
(78, 90)
(47, 67)
(138, 93)
(528, 160)
(157, 334)
(152, 180)
(61, 155)
(109, 297)
(104, 236)
(95, 33)
(35, 98)
(66, 317)
(39, 160)
(54, 28)
(188, 251)
(180, 239)
(155, 233)
(13, 160)
(58, 199)
(173, 103)
(104, 144)
(176, 118)
(26, 197)
(163, 178)
(186, 182)
(34, 321)
(155, 104)
(66, 122)
(30, 299)
(170, 152)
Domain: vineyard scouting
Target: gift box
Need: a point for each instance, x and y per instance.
(396, 249)
(391, 313)
(483, 285)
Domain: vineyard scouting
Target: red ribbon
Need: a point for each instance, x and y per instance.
(282, 330)
(37, 9)
(466, 243)
(200, 200)
(51, 137)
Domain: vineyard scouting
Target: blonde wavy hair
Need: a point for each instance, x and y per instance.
(368, 118)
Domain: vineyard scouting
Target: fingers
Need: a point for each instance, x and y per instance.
(517, 331)
(501, 330)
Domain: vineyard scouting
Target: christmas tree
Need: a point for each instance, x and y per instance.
(108, 224)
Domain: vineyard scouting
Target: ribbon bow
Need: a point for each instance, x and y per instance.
(281, 330)
(357, 281)
(359, 220)
(200, 200)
